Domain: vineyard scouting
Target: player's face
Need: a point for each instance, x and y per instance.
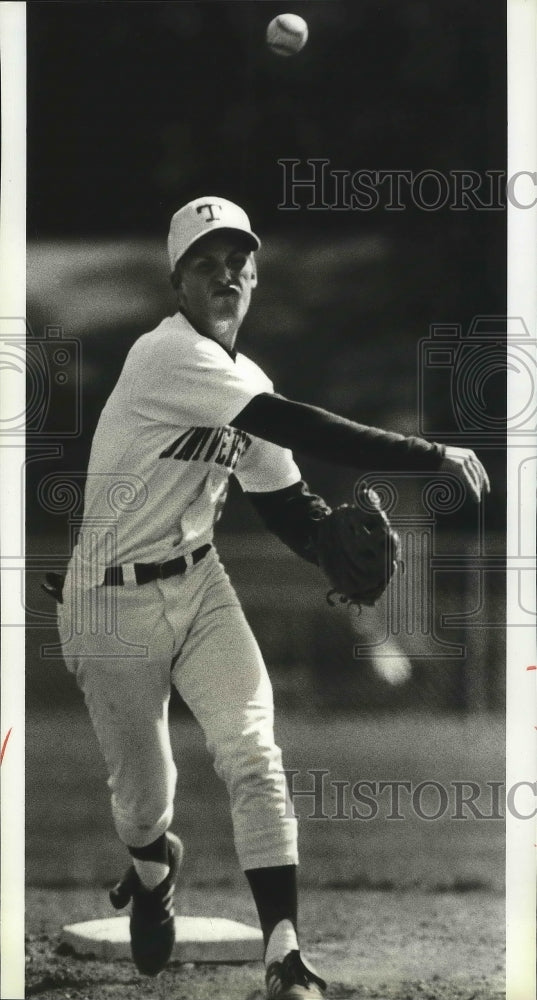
(216, 286)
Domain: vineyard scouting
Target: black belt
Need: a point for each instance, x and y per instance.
(146, 572)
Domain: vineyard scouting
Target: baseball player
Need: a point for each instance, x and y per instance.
(146, 602)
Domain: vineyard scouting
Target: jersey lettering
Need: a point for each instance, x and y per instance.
(203, 443)
(168, 452)
(215, 443)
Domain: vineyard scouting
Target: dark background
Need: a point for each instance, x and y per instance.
(134, 108)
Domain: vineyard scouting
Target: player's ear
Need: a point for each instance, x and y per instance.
(175, 277)
(253, 281)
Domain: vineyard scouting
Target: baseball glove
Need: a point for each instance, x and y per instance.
(358, 549)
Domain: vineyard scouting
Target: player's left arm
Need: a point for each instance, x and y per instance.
(292, 514)
(272, 481)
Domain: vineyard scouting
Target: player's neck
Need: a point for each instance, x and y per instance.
(224, 331)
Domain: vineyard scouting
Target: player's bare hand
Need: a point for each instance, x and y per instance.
(464, 463)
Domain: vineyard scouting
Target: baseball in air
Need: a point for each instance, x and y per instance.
(287, 34)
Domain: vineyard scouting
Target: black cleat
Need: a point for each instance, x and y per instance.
(152, 922)
(293, 979)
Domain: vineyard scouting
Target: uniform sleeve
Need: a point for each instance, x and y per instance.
(293, 514)
(193, 382)
(265, 467)
(324, 435)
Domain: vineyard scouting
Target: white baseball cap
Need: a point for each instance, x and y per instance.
(202, 216)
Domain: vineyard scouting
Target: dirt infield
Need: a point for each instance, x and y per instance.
(393, 945)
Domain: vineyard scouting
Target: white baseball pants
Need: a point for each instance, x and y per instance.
(126, 645)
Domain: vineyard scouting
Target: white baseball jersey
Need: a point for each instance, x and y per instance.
(163, 451)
